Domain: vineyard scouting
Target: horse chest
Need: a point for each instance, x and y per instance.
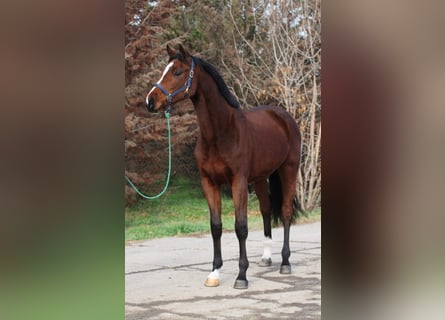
(216, 169)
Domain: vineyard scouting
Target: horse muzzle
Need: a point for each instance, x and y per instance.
(150, 104)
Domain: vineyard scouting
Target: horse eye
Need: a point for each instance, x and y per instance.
(177, 72)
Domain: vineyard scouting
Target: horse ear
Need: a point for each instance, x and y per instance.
(184, 52)
(170, 51)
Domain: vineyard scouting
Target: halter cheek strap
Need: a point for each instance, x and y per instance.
(185, 88)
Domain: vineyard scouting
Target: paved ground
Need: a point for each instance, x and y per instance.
(164, 278)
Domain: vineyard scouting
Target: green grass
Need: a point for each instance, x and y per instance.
(183, 210)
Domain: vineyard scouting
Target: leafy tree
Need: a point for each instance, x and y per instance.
(267, 50)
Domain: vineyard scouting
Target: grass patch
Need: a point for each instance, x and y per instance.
(183, 210)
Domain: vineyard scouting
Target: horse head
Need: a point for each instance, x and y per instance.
(176, 82)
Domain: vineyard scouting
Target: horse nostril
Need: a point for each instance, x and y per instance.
(150, 104)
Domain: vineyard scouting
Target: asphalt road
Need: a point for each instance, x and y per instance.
(164, 278)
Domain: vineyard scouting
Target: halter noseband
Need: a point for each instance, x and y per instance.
(185, 88)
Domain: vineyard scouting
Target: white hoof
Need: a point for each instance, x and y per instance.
(213, 279)
(211, 282)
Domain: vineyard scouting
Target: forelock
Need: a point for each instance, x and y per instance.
(177, 56)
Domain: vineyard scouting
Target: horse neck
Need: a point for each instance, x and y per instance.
(217, 120)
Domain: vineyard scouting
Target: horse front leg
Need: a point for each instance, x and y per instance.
(212, 193)
(240, 195)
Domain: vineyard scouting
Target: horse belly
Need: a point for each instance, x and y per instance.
(270, 146)
(267, 160)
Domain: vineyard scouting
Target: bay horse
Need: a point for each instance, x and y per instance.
(235, 147)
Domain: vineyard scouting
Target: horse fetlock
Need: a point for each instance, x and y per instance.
(285, 253)
(243, 264)
(267, 252)
(217, 264)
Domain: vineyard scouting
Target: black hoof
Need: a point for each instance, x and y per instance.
(285, 269)
(265, 262)
(241, 284)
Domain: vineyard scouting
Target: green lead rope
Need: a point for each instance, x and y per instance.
(167, 116)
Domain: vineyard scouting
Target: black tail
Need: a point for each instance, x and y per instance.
(276, 199)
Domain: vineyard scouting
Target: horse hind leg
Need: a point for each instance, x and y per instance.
(288, 177)
(261, 190)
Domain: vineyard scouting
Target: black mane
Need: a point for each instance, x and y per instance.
(222, 87)
(211, 70)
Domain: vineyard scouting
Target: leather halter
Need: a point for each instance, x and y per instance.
(185, 88)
